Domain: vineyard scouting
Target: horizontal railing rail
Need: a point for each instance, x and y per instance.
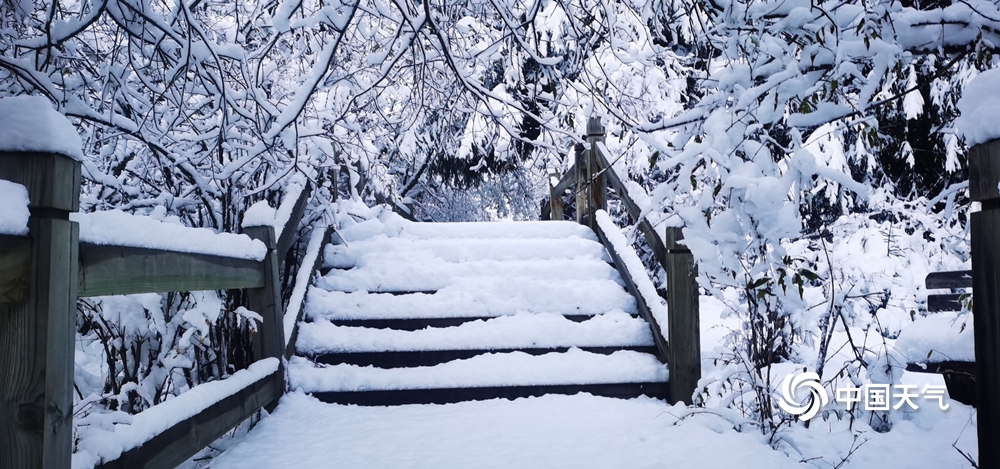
(43, 273)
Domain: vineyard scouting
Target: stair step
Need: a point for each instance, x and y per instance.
(574, 366)
(380, 250)
(413, 273)
(466, 230)
(615, 328)
(480, 297)
(399, 359)
(453, 395)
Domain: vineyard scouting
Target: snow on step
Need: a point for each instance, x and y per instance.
(392, 225)
(574, 366)
(614, 329)
(417, 273)
(451, 250)
(475, 297)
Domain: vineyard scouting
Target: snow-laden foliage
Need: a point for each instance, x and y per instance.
(761, 126)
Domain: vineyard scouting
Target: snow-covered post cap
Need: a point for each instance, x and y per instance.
(31, 124)
(979, 124)
(40, 149)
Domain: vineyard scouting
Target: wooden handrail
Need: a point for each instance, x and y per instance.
(593, 172)
(948, 279)
(287, 235)
(634, 212)
(44, 273)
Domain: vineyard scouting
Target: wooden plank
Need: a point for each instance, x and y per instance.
(287, 235)
(37, 334)
(648, 232)
(960, 377)
(949, 279)
(580, 165)
(269, 341)
(317, 263)
(185, 439)
(659, 341)
(15, 267)
(123, 270)
(36, 354)
(597, 184)
(451, 395)
(414, 324)
(945, 302)
(684, 328)
(984, 228)
(567, 181)
(406, 359)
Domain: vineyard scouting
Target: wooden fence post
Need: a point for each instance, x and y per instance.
(555, 200)
(984, 172)
(596, 182)
(582, 187)
(683, 328)
(37, 335)
(269, 341)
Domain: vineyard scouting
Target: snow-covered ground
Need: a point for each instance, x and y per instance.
(589, 432)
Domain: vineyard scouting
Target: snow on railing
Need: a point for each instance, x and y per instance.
(117, 228)
(113, 252)
(114, 442)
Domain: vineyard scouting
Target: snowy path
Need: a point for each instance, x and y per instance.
(579, 431)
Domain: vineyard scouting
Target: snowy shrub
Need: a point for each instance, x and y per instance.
(158, 345)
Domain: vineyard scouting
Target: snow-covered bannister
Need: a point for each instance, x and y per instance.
(592, 174)
(50, 255)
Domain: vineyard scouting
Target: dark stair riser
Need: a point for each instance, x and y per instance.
(435, 357)
(423, 323)
(453, 395)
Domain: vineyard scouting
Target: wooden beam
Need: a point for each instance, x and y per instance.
(123, 270)
(36, 335)
(949, 279)
(269, 341)
(662, 351)
(580, 175)
(294, 335)
(185, 439)
(15, 268)
(567, 181)
(597, 184)
(945, 302)
(984, 228)
(648, 232)
(683, 313)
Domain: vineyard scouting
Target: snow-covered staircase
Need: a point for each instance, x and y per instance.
(445, 312)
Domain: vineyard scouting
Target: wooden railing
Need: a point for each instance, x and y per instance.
(43, 274)
(591, 175)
